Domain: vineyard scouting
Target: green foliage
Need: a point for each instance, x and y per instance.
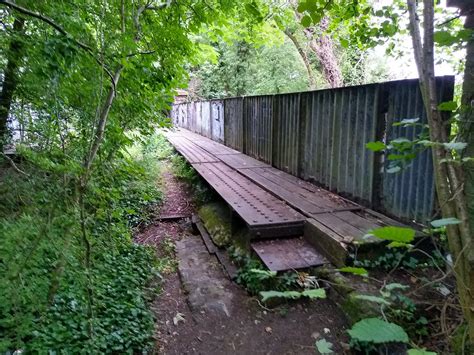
(184, 171)
(324, 346)
(122, 321)
(256, 278)
(438, 223)
(377, 331)
(354, 270)
(420, 352)
(244, 69)
(45, 304)
(293, 295)
(408, 259)
(394, 234)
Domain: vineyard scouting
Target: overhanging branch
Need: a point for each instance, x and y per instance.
(58, 28)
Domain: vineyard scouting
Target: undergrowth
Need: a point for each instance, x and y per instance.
(255, 277)
(185, 172)
(55, 300)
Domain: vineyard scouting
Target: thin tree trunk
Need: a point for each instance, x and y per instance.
(10, 78)
(467, 119)
(304, 57)
(448, 179)
(99, 132)
(467, 135)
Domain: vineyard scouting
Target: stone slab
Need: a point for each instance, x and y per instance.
(207, 286)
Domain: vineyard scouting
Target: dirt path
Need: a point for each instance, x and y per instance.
(200, 311)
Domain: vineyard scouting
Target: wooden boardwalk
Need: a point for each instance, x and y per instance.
(274, 204)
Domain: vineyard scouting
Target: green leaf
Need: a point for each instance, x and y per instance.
(302, 6)
(444, 222)
(395, 286)
(420, 352)
(407, 122)
(324, 346)
(444, 38)
(375, 146)
(400, 140)
(316, 293)
(345, 44)
(266, 295)
(306, 21)
(377, 331)
(374, 299)
(355, 270)
(399, 245)
(393, 169)
(264, 272)
(395, 234)
(455, 145)
(448, 106)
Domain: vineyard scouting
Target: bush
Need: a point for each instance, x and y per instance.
(52, 298)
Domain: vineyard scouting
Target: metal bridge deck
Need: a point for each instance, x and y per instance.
(275, 203)
(264, 214)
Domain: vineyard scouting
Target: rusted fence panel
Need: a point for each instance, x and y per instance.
(320, 136)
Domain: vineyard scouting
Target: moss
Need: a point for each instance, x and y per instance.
(216, 219)
(458, 341)
(356, 308)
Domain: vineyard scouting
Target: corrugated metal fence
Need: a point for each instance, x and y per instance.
(320, 136)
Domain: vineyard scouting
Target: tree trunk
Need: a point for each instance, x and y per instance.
(466, 124)
(10, 79)
(466, 127)
(323, 47)
(304, 57)
(448, 178)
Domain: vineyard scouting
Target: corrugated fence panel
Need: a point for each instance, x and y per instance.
(337, 124)
(217, 123)
(233, 116)
(205, 122)
(191, 116)
(286, 132)
(321, 135)
(410, 194)
(258, 113)
(182, 115)
(198, 118)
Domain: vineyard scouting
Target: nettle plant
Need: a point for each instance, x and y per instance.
(398, 321)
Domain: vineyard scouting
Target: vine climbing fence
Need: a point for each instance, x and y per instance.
(320, 136)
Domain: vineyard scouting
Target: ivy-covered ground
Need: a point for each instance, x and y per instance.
(71, 287)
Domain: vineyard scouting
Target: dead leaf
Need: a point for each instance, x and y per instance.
(179, 317)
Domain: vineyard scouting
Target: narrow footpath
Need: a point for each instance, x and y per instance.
(199, 310)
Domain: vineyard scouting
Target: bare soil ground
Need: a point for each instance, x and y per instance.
(291, 328)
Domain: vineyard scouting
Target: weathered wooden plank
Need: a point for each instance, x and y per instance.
(288, 254)
(214, 148)
(242, 161)
(190, 151)
(326, 241)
